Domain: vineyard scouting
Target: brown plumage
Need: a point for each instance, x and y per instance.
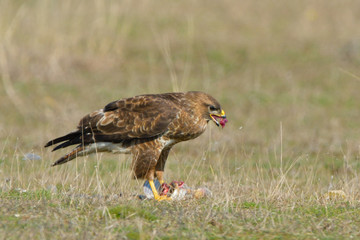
(147, 126)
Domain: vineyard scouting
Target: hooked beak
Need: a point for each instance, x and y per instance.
(219, 119)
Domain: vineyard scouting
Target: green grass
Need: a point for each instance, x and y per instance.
(127, 212)
(138, 219)
(25, 195)
(286, 73)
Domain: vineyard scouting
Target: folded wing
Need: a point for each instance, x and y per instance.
(139, 117)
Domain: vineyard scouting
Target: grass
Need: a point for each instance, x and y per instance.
(286, 73)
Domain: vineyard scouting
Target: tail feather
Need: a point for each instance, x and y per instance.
(68, 143)
(70, 156)
(67, 137)
(73, 138)
(84, 139)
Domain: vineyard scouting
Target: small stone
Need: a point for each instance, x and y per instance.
(52, 189)
(31, 156)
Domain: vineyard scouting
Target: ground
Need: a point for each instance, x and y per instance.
(286, 73)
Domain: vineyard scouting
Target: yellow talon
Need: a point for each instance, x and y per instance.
(156, 194)
(162, 198)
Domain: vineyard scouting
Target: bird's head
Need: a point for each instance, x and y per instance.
(210, 109)
(217, 115)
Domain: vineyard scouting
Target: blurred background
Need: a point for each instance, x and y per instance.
(286, 73)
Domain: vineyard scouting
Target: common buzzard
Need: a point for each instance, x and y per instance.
(147, 126)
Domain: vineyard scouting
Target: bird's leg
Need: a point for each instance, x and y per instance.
(144, 165)
(156, 194)
(154, 190)
(159, 176)
(160, 165)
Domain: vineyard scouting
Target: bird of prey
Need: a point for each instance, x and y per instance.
(147, 126)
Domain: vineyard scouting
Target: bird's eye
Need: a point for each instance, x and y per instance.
(212, 108)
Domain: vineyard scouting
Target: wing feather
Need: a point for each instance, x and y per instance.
(138, 117)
